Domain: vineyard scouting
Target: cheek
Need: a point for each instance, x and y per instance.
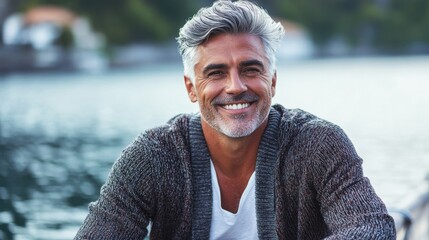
(262, 87)
(208, 91)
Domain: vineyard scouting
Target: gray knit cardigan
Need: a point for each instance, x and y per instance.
(309, 185)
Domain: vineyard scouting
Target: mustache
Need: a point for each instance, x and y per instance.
(242, 97)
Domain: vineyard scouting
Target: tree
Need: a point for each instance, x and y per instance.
(124, 21)
(389, 26)
(404, 24)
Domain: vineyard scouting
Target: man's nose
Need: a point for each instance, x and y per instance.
(236, 85)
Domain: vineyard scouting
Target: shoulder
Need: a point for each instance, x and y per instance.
(156, 146)
(315, 146)
(176, 129)
(311, 137)
(299, 123)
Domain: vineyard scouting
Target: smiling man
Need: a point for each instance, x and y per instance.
(242, 168)
(233, 84)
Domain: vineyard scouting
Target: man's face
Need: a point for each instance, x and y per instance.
(233, 84)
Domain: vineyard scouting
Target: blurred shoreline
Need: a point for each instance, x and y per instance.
(25, 60)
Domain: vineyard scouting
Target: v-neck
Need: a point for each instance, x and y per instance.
(217, 194)
(264, 179)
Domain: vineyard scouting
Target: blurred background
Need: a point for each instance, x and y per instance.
(80, 79)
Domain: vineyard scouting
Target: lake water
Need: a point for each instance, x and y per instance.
(60, 133)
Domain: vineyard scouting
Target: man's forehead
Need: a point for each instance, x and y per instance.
(228, 50)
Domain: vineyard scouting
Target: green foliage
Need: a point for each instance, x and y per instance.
(124, 21)
(324, 19)
(66, 38)
(390, 25)
(405, 22)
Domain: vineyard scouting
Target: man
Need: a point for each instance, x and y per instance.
(241, 169)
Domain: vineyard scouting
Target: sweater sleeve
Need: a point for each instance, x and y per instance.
(124, 207)
(349, 205)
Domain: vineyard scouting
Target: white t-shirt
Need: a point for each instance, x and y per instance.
(227, 225)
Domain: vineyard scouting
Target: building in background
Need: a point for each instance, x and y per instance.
(48, 37)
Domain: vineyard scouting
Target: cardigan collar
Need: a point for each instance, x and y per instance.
(265, 179)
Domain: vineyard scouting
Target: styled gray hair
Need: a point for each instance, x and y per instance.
(225, 16)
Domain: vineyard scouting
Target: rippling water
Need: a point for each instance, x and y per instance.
(60, 133)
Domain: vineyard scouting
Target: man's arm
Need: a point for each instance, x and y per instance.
(348, 202)
(125, 205)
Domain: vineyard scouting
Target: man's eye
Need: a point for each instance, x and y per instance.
(215, 74)
(251, 72)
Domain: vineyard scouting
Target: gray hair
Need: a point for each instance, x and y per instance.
(225, 16)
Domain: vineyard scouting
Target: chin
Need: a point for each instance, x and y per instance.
(238, 131)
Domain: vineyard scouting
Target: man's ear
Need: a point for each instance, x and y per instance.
(191, 89)
(274, 84)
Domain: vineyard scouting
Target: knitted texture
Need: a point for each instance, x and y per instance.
(309, 185)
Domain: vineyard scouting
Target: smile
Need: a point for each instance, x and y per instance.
(236, 106)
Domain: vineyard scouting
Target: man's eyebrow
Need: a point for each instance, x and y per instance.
(224, 66)
(251, 63)
(214, 66)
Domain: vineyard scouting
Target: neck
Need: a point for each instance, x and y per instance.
(233, 157)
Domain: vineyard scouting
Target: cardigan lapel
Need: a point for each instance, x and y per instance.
(265, 178)
(201, 181)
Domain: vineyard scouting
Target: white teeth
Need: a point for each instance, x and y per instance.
(237, 106)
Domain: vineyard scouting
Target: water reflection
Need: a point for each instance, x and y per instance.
(59, 136)
(39, 172)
